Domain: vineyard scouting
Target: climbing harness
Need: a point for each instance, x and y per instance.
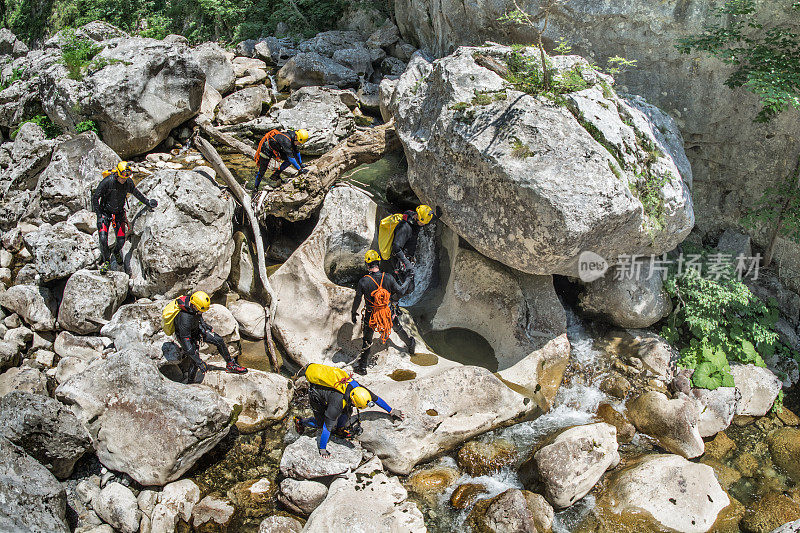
(381, 318)
(265, 139)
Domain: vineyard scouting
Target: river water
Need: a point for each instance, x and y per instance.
(242, 458)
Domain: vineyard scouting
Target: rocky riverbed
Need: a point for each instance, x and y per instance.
(534, 402)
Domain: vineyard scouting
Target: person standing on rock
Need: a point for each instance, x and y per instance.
(108, 203)
(379, 290)
(281, 146)
(332, 395)
(183, 316)
(397, 239)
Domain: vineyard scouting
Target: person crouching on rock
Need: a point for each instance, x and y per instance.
(281, 146)
(183, 316)
(108, 203)
(332, 394)
(379, 290)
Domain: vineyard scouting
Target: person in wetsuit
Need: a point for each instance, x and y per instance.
(282, 146)
(332, 395)
(365, 288)
(190, 329)
(403, 235)
(108, 203)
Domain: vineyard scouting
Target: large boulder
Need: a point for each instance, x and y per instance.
(758, 386)
(216, 64)
(47, 430)
(629, 296)
(185, 243)
(717, 408)
(138, 325)
(91, 299)
(117, 506)
(19, 174)
(243, 105)
(75, 170)
(539, 182)
(301, 459)
(252, 318)
(60, 250)
(673, 494)
(302, 495)
(328, 42)
(367, 500)
(24, 379)
(35, 305)
(358, 59)
(571, 465)
(676, 82)
(311, 68)
(33, 499)
(442, 409)
(144, 90)
(673, 423)
(141, 423)
(321, 112)
(514, 510)
(263, 396)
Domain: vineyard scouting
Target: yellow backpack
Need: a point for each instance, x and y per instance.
(386, 234)
(168, 316)
(328, 376)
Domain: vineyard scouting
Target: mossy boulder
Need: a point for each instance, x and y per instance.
(467, 494)
(768, 513)
(784, 446)
(479, 458)
(432, 480)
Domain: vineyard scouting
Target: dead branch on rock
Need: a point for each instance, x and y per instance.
(212, 156)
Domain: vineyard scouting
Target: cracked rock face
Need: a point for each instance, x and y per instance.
(532, 181)
(141, 423)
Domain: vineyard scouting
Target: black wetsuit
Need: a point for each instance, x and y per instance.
(284, 144)
(366, 286)
(190, 329)
(108, 202)
(404, 245)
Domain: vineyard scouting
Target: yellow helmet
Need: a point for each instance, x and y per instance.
(302, 136)
(200, 301)
(122, 169)
(371, 256)
(424, 214)
(360, 397)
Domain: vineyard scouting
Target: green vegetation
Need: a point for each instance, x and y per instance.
(519, 150)
(764, 61)
(51, 130)
(16, 74)
(717, 321)
(77, 53)
(87, 125)
(198, 20)
(617, 64)
(525, 74)
(647, 188)
(460, 106)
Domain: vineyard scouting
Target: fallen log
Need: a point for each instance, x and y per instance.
(212, 156)
(300, 195)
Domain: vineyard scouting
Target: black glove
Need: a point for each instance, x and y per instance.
(303, 171)
(324, 453)
(152, 203)
(353, 318)
(397, 414)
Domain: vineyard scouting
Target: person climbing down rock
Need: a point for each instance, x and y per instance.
(280, 146)
(183, 316)
(108, 203)
(332, 395)
(397, 239)
(380, 292)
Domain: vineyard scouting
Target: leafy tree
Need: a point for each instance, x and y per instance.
(765, 62)
(519, 16)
